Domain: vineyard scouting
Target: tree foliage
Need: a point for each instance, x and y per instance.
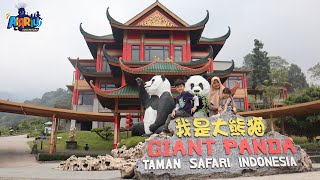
(308, 125)
(279, 69)
(269, 93)
(105, 133)
(315, 71)
(297, 78)
(24, 125)
(259, 62)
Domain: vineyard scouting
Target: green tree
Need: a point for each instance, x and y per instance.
(279, 69)
(315, 71)
(297, 78)
(277, 62)
(259, 62)
(269, 93)
(308, 125)
(23, 125)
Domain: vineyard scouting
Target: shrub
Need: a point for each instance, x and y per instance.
(300, 140)
(60, 156)
(310, 146)
(131, 142)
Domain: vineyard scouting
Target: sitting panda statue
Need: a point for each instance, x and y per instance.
(199, 86)
(158, 102)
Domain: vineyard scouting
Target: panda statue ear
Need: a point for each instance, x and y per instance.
(205, 76)
(163, 77)
(185, 78)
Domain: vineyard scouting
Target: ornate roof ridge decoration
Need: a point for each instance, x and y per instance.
(156, 18)
(119, 25)
(221, 38)
(91, 36)
(115, 61)
(165, 68)
(116, 93)
(161, 6)
(222, 73)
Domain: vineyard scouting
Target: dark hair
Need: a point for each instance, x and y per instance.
(226, 91)
(178, 82)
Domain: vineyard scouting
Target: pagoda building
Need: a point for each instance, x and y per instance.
(154, 42)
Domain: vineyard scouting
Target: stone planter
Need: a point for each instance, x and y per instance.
(71, 144)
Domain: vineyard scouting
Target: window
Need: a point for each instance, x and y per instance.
(85, 98)
(135, 53)
(239, 103)
(157, 36)
(231, 81)
(161, 52)
(107, 86)
(178, 53)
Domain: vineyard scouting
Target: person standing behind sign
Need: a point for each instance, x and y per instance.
(183, 106)
(215, 94)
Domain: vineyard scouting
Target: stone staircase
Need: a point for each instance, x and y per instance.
(314, 155)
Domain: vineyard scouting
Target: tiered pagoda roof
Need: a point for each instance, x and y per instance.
(157, 9)
(123, 72)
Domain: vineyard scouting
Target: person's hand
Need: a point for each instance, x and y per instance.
(193, 109)
(173, 114)
(220, 109)
(234, 110)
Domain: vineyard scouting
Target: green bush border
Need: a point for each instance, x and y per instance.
(60, 156)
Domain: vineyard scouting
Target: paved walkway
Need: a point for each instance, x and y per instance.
(15, 152)
(16, 162)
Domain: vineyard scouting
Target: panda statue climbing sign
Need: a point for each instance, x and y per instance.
(157, 99)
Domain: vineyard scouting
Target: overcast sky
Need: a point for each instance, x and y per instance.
(34, 63)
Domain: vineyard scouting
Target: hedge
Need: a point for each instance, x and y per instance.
(60, 156)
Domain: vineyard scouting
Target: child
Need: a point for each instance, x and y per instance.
(183, 106)
(226, 103)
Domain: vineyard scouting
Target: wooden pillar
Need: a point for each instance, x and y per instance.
(52, 133)
(115, 131)
(142, 46)
(271, 122)
(55, 135)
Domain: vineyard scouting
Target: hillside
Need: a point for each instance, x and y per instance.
(60, 98)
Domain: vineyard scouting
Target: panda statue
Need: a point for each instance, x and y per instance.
(199, 86)
(158, 102)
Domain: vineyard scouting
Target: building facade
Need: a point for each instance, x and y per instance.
(155, 41)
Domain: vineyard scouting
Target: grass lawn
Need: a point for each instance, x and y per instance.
(95, 143)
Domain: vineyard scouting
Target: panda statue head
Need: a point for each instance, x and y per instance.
(157, 85)
(197, 85)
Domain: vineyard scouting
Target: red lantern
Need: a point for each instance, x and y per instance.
(129, 121)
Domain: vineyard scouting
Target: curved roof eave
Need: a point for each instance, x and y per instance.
(91, 36)
(221, 38)
(113, 21)
(203, 22)
(222, 73)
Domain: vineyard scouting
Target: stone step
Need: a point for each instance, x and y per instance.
(315, 158)
(313, 153)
